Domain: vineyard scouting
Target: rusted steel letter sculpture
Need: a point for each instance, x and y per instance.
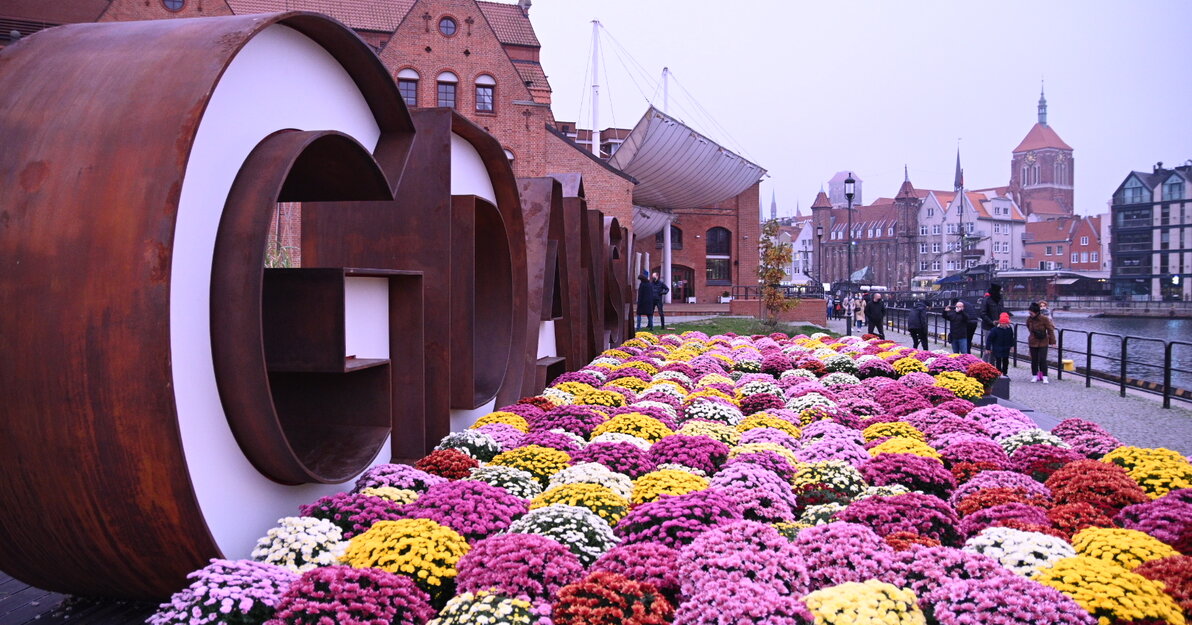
(166, 398)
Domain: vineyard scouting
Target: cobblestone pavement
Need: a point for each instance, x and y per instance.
(1138, 419)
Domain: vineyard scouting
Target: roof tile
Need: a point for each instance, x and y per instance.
(374, 15)
(511, 26)
(1041, 136)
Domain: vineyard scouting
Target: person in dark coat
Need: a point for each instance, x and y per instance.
(875, 315)
(645, 301)
(916, 323)
(1041, 336)
(659, 287)
(991, 310)
(958, 333)
(1001, 341)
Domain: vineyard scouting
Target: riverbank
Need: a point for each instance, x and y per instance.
(1137, 419)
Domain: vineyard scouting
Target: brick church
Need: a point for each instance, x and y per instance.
(920, 236)
(483, 60)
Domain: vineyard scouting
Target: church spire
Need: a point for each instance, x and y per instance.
(958, 183)
(1042, 105)
(773, 206)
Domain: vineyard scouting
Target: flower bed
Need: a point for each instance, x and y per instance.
(768, 479)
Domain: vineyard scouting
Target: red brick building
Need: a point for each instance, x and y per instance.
(481, 58)
(1072, 243)
(1042, 171)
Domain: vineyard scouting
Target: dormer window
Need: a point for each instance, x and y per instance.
(1173, 189)
(1133, 192)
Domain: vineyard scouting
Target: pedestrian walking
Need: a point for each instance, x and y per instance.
(1001, 341)
(875, 315)
(958, 329)
(859, 310)
(645, 301)
(1042, 336)
(660, 289)
(991, 309)
(916, 324)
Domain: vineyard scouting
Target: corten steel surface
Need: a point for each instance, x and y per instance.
(313, 423)
(96, 494)
(466, 248)
(617, 291)
(538, 196)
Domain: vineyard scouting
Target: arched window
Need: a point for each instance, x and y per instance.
(719, 252)
(407, 84)
(447, 83)
(486, 88)
(676, 239)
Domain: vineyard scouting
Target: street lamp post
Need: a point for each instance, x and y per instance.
(819, 255)
(849, 184)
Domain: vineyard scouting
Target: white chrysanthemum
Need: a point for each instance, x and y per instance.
(618, 437)
(474, 443)
(674, 466)
(820, 514)
(667, 408)
(863, 358)
(605, 360)
(579, 529)
(1022, 552)
(669, 389)
(838, 379)
(1034, 436)
(889, 490)
(300, 544)
(516, 482)
(823, 353)
(840, 363)
(757, 387)
(594, 473)
(559, 397)
(810, 400)
(713, 411)
(677, 376)
(797, 373)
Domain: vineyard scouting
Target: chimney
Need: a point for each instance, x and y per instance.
(525, 6)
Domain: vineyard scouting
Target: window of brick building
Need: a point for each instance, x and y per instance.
(1173, 189)
(173, 5)
(407, 85)
(719, 251)
(676, 239)
(447, 26)
(446, 92)
(935, 228)
(1084, 240)
(923, 231)
(485, 89)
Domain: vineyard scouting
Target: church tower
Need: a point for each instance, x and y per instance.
(906, 205)
(1041, 171)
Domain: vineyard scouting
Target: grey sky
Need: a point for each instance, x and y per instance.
(805, 89)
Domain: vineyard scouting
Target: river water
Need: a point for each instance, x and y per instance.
(1144, 355)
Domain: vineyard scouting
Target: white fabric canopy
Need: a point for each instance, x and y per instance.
(677, 167)
(648, 222)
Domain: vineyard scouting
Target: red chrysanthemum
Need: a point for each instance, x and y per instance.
(449, 463)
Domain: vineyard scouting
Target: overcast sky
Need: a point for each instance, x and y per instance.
(806, 89)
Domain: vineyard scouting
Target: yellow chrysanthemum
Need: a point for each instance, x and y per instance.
(709, 392)
(399, 495)
(1158, 471)
(634, 424)
(870, 603)
(1109, 592)
(599, 499)
(756, 447)
(726, 434)
(619, 354)
(597, 397)
(963, 386)
(634, 384)
(653, 485)
(903, 366)
(541, 462)
(507, 418)
(637, 364)
(574, 387)
(763, 420)
(420, 549)
(896, 428)
(1125, 548)
(902, 445)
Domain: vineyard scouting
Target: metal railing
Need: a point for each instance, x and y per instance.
(1119, 361)
(791, 292)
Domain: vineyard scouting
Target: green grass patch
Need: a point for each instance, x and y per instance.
(744, 326)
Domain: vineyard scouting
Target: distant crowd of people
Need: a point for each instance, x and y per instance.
(868, 310)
